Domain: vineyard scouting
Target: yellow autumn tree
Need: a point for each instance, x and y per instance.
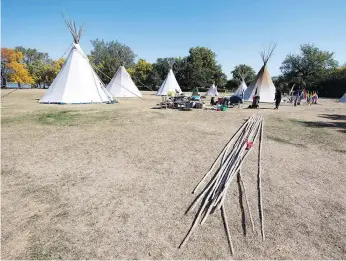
(12, 68)
(59, 63)
(140, 71)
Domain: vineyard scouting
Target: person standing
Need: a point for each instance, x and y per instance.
(277, 99)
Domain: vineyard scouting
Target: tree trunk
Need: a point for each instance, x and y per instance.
(3, 82)
(19, 86)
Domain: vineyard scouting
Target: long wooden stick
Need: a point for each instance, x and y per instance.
(260, 181)
(247, 201)
(244, 158)
(229, 238)
(214, 193)
(221, 154)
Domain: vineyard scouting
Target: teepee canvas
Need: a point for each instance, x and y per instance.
(263, 85)
(213, 91)
(241, 89)
(76, 82)
(169, 85)
(122, 85)
(343, 98)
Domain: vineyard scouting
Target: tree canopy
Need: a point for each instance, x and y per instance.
(243, 70)
(309, 67)
(12, 68)
(200, 69)
(107, 57)
(140, 72)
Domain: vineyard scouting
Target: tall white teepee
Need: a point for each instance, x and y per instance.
(76, 82)
(122, 85)
(263, 84)
(169, 85)
(343, 98)
(213, 91)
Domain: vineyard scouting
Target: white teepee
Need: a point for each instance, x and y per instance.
(241, 89)
(169, 85)
(263, 84)
(343, 98)
(122, 85)
(213, 91)
(76, 82)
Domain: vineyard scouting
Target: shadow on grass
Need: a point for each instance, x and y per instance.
(340, 151)
(259, 108)
(336, 117)
(285, 141)
(338, 122)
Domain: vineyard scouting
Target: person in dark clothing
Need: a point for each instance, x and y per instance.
(212, 101)
(255, 102)
(226, 101)
(277, 99)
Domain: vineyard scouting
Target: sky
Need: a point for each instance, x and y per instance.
(236, 30)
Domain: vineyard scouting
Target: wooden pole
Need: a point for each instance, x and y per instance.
(229, 238)
(260, 181)
(247, 201)
(221, 154)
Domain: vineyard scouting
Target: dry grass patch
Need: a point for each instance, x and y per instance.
(113, 181)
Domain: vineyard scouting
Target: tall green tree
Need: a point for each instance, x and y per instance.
(310, 67)
(107, 57)
(162, 66)
(243, 70)
(335, 84)
(200, 69)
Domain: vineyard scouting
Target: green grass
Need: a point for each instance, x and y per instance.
(68, 118)
(60, 117)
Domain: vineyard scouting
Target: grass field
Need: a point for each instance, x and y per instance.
(112, 181)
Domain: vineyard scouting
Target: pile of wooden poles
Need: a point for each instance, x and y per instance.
(231, 160)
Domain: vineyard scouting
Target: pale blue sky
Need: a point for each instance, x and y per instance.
(235, 30)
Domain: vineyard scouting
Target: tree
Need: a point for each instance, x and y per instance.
(45, 73)
(232, 85)
(162, 66)
(30, 56)
(200, 69)
(12, 68)
(37, 63)
(335, 84)
(310, 67)
(107, 57)
(140, 72)
(154, 79)
(282, 84)
(243, 70)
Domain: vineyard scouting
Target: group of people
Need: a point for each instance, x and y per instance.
(311, 98)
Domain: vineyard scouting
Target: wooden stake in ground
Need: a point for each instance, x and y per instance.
(260, 181)
(229, 239)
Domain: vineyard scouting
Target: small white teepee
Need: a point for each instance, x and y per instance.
(122, 85)
(263, 84)
(343, 98)
(241, 90)
(76, 82)
(169, 85)
(213, 91)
